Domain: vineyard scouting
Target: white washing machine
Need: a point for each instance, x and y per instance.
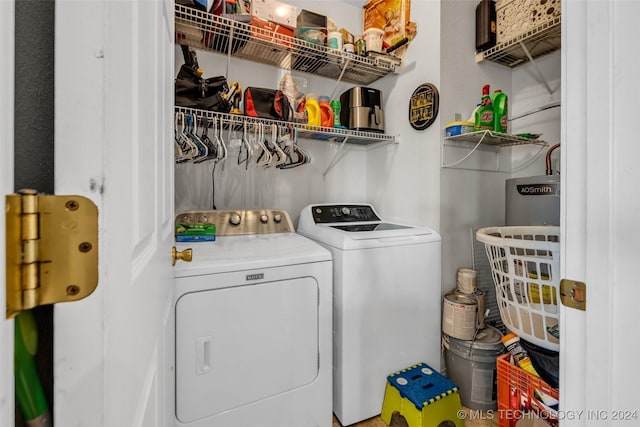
(252, 325)
(386, 304)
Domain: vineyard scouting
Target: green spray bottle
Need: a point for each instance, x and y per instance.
(500, 107)
(484, 113)
(29, 392)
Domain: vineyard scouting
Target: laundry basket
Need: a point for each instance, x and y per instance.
(525, 265)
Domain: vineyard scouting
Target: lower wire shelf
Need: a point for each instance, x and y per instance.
(303, 130)
(485, 140)
(489, 137)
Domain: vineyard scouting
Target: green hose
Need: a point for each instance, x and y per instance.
(29, 393)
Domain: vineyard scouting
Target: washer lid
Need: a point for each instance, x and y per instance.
(246, 252)
(388, 235)
(380, 226)
(352, 226)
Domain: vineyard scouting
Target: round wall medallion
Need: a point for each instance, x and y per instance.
(423, 106)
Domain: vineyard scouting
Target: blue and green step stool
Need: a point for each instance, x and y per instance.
(423, 396)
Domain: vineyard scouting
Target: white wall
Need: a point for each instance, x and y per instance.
(403, 181)
(469, 198)
(529, 94)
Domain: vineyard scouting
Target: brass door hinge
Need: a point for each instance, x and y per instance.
(51, 249)
(573, 294)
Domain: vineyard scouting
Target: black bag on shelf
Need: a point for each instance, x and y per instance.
(266, 104)
(193, 91)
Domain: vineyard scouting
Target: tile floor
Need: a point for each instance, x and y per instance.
(480, 420)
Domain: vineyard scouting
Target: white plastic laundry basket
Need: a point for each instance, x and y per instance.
(525, 265)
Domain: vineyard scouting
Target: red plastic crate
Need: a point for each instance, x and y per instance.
(516, 394)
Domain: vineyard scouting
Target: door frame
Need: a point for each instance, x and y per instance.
(7, 71)
(599, 208)
(573, 202)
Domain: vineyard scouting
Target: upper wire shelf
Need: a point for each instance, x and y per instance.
(305, 131)
(206, 31)
(539, 41)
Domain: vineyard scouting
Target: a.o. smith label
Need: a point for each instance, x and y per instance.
(538, 189)
(257, 276)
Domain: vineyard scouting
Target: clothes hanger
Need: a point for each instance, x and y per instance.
(186, 131)
(222, 147)
(280, 154)
(246, 147)
(184, 147)
(265, 156)
(295, 154)
(202, 150)
(212, 150)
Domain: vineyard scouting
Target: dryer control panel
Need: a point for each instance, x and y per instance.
(323, 214)
(233, 223)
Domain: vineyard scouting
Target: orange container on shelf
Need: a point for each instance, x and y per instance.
(519, 394)
(326, 112)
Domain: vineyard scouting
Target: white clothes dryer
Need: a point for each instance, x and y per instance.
(387, 300)
(252, 325)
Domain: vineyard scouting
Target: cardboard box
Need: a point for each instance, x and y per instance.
(275, 11)
(270, 31)
(392, 16)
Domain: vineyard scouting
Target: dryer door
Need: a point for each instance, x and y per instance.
(241, 344)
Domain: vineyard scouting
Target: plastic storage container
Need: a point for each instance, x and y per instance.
(525, 266)
(311, 27)
(334, 40)
(458, 128)
(517, 391)
(373, 39)
(472, 365)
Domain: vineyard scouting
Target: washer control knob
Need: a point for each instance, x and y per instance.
(234, 219)
(277, 218)
(264, 218)
(346, 211)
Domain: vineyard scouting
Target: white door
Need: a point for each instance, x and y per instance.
(600, 212)
(113, 136)
(6, 186)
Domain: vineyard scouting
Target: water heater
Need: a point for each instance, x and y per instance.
(533, 200)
